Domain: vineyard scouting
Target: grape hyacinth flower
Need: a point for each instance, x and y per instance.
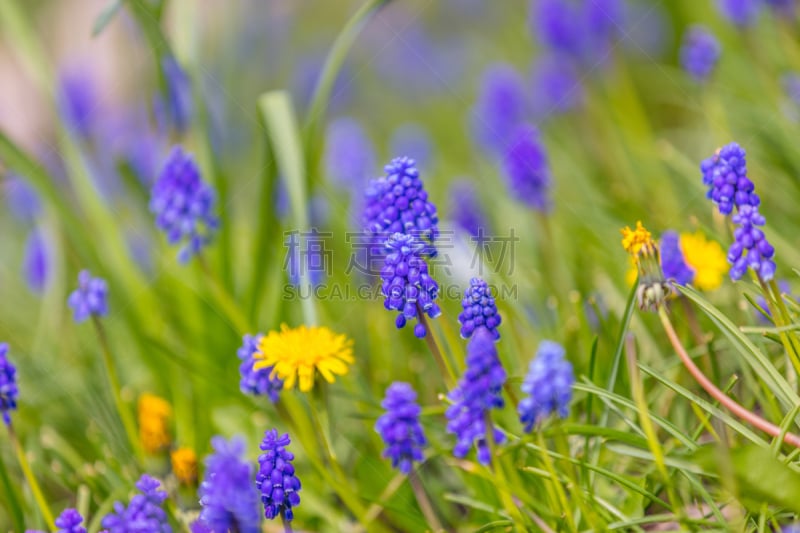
(90, 298)
(500, 108)
(556, 87)
(548, 385)
(8, 385)
(69, 521)
(527, 169)
(750, 248)
(22, 200)
(36, 265)
(77, 101)
(179, 94)
(398, 203)
(557, 25)
(349, 154)
(673, 263)
(699, 53)
(740, 12)
(256, 382)
(143, 513)
(725, 173)
(276, 479)
(399, 427)
(228, 497)
(406, 284)
(466, 211)
(478, 391)
(182, 203)
(413, 140)
(479, 310)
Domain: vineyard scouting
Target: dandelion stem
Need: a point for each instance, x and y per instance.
(116, 389)
(424, 502)
(444, 367)
(31, 479)
(730, 404)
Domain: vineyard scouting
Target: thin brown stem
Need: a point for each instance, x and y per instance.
(424, 502)
(730, 404)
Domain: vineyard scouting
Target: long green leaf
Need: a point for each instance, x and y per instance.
(752, 355)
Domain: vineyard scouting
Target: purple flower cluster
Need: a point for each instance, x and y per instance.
(182, 203)
(673, 264)
(21, 197)
(276, 479)
(699, 53)
(399, 427)
(398, 203)
(90, 298)
(726, 174)
(144, 513)
(36, 265)
(751, 248)
(527, 169)
(228, 497)
(256, 382)
(77, 102)
(740, 12)
(478, 391)
(179, 94)
(466, 211)
(479, 310)
(500, 108)
(69, 521)
(580, 30)
(556, 86)
(8, 385)
(349, 155)
(406, 284)
(548, 385)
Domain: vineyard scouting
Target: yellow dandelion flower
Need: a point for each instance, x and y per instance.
(633, 240)
(296, 354)
(154, 415)
(184, 465)
(706, 258)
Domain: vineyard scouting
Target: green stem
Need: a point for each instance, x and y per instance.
(497, 469)
(560, 494)
(224, 299)
(31, 479)
(116, 389)
(780, 321)
(787, 319)
(444, 367)
(424, 502)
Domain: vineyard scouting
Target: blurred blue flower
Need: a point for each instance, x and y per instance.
(751, 247)
(399, 427)
(398, 203)
(557, 88)
(527, 169)
(406, 285)
(725, 173)
(8, 385)
(673, 264)
(90, 298)
(466, 211)
(183, 204)
(501, 107)
(700, 52)
(69, 521)
(604, 20)
(548, 385)
(178, 105)
(276, 478)
(791, 86)
(478, 310)
(558, 25)
(77, 101)
(256, 382)
(22, 200)
(740, 12)
(143, 513)
(36, 264)
(228, 496)
(349, 154)
(478, 391)
(414, 141)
